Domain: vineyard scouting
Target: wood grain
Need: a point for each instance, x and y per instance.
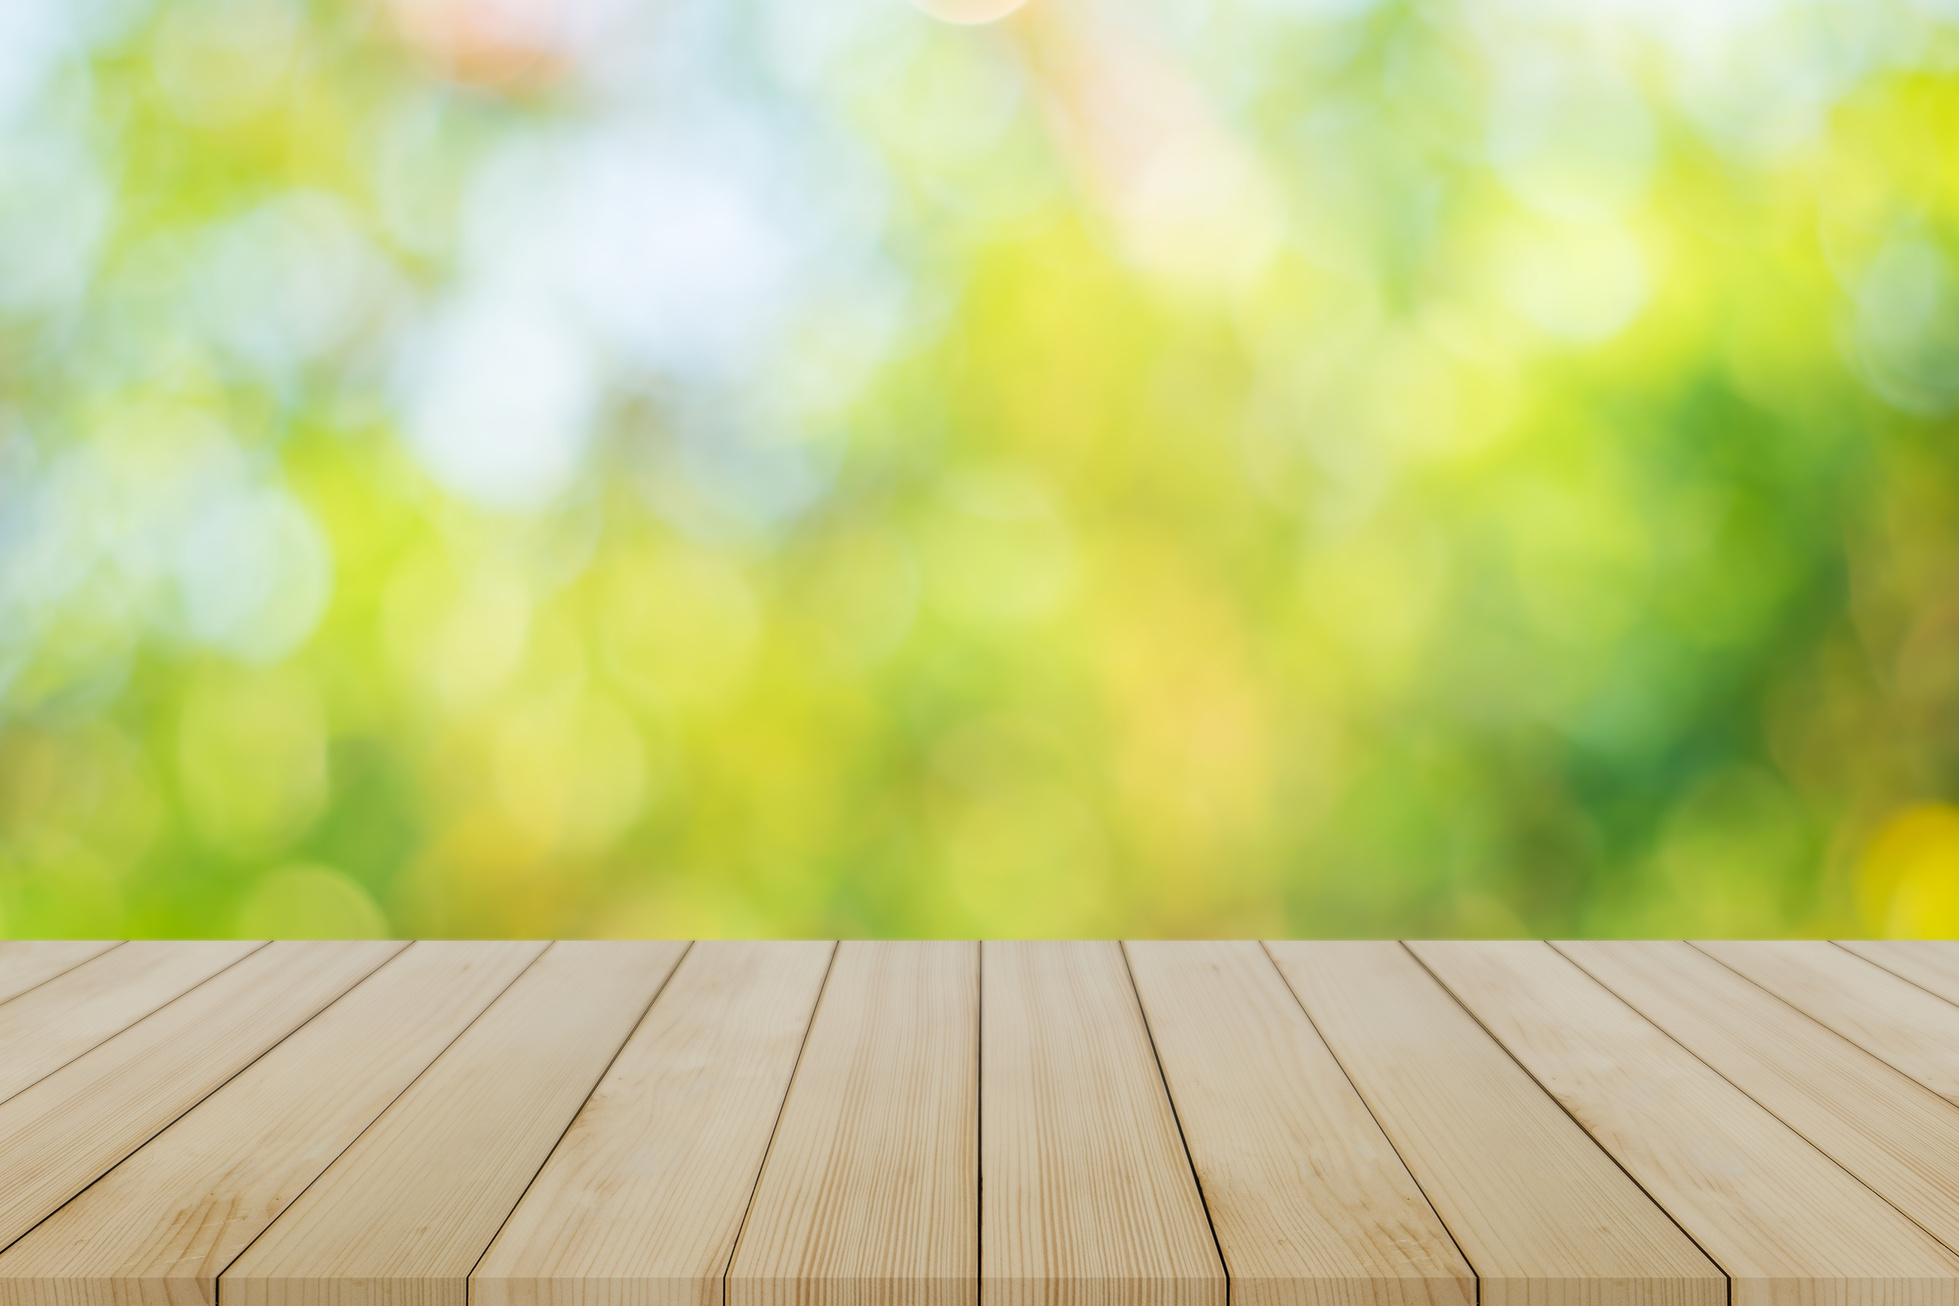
(642, 1202)
(870, 1194)
(1087, 1194)
(1934, 968)
(25, 965)
(72, 1127)
(1888, 1016)
(1543, 1215)
(1932, 964)
(1786, 1222)
(951, 1124)
(158, 1229)
(50, 1025)
(1896, 1135)
(405, 1212)
(1309, 1202)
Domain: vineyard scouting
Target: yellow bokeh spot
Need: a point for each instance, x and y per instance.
(969, 12)
(571, 773)
(252, 758)
(1908, 881)
(1026, 859)
(310, 902)
(459, 638)
(1001, 553)
(680, 628)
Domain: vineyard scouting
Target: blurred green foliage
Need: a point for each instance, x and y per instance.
(1149, 467)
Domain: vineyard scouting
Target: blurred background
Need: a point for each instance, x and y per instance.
(1150, 467)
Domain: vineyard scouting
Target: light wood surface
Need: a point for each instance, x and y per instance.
(405, 1212)
(25, 965)
(1897, 999)
(957, 1124)
(74, 1126)
(1543, 1215)
(642, 1202)
(1932, 964)
(50, 1025)
(870, 1194)
(1310, 1203)
(157, 1229)
(1087, 1197)
(1893, 1133)
(1886, 1015)
(1786, 1222)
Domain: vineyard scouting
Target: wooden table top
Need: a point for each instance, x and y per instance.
(956, 1124)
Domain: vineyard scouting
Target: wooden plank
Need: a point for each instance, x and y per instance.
(1932, 964)
(74, 1126)
(1888, 1016)
(50, 1025)
(1309, 1202)
(158, 1229)
(870, 1194)
(404, 1214)
(1896, 1135)
(1544, 1216)
(642, 1203)
(1786, 1222)
(25, 965)
(1087, 1194)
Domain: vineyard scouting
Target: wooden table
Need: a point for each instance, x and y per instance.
(1028, 1124)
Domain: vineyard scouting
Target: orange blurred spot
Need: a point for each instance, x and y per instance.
(1192, 200)
(969, 11)
(1908, 880)
(512, 44)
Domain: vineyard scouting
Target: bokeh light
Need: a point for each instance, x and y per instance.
(1181, 467)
